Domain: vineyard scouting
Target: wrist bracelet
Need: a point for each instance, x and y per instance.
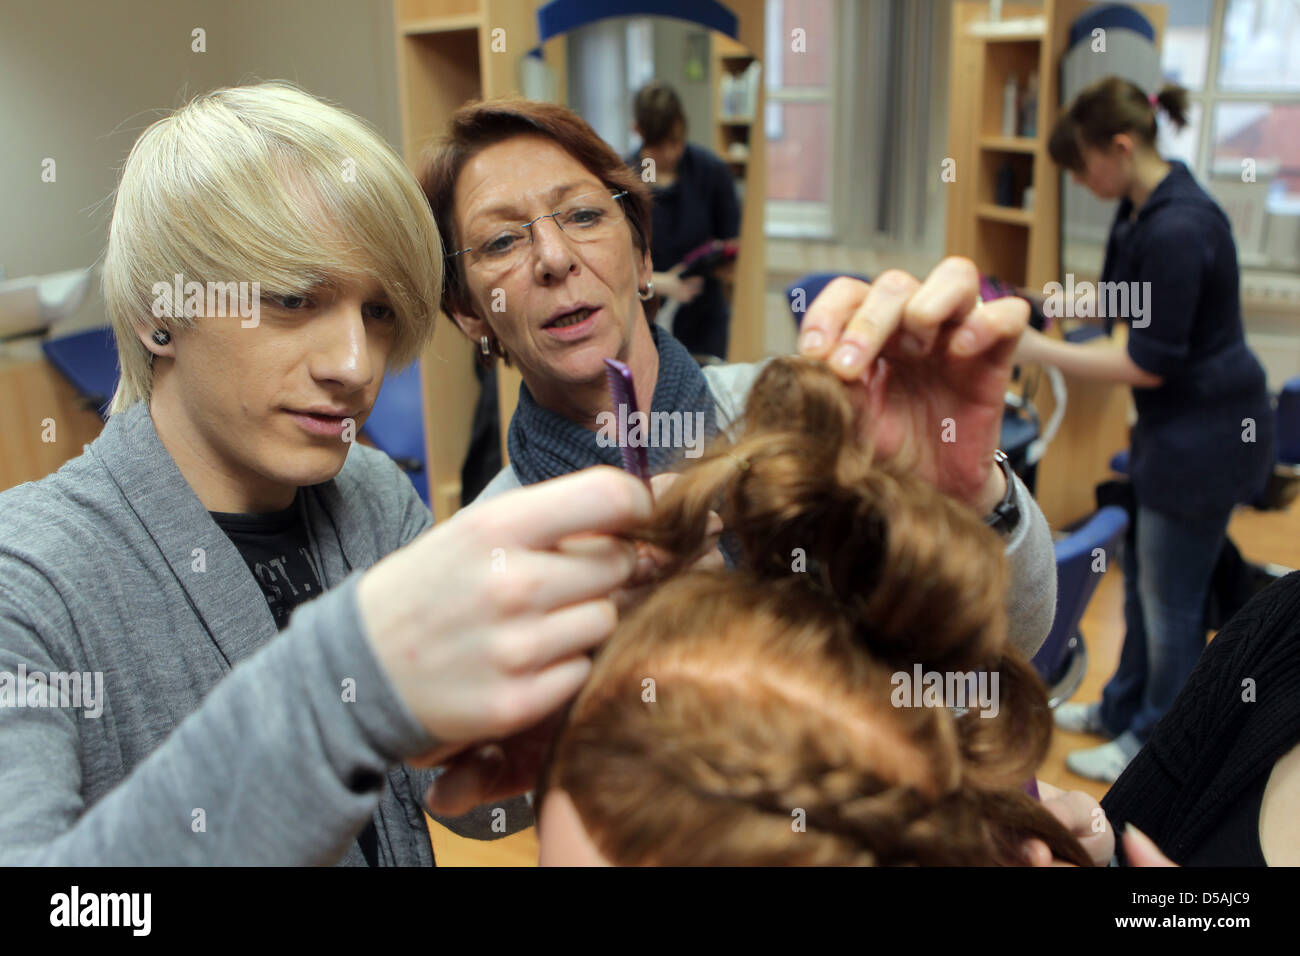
(1006, 514)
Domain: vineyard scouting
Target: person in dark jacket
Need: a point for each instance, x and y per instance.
(1203, 441)
(1218, 783)
(694, 203)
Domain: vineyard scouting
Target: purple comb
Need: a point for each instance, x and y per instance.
(621, 390)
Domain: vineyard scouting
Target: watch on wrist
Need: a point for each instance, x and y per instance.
(1006, 514)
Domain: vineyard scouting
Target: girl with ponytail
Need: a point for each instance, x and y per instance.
(1203, 441)
(747, 717)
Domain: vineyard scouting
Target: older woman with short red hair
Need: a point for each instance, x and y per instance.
(549, 267)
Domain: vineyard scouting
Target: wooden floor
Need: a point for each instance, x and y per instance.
(1261, 537)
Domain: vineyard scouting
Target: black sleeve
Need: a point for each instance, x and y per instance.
(1213, 725)
(1144, 796)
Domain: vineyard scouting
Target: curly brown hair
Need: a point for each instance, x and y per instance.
(772, 687)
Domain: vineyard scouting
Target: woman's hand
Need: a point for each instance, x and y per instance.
(671, 285)
(1083, 817)
(495, 771)
(928, 369)
(1029, 350)
(1141, 850)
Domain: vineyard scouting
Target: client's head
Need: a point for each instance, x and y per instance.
(753, 717)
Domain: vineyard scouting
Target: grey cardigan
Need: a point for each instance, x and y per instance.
(221, 740)
(1031, 559)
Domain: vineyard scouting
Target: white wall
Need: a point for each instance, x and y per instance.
(81, 79)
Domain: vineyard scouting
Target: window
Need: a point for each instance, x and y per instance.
(851, 129)
(798, 120)
(1237, 59)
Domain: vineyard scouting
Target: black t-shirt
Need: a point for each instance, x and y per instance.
(277, 549)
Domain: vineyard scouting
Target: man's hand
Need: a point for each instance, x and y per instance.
(927, 369)
(484, 622)
(505, 768)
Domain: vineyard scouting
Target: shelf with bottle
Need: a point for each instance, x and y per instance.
(1010, 91)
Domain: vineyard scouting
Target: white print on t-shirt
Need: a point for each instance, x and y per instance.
(273, 571)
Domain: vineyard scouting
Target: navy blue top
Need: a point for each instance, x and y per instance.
(700, 205)
(1188, 452)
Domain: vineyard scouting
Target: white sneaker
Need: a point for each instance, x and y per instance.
(1103, 763)
(1080, 718)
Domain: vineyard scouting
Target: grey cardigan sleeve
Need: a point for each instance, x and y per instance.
(1031, 562)
(273, 768)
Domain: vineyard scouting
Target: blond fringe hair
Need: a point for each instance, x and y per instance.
(772, 685)
(265, 183)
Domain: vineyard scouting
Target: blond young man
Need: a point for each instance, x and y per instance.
(214, 563)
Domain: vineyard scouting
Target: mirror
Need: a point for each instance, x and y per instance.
(595, 62)
(698, 175)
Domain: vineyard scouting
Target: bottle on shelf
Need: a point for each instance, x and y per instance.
(1029, 107)
(1010, 95)
(1004, 189)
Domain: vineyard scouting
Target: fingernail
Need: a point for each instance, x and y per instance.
(847, 357)
(812, 340)
(645, 567)
(910, 344)
(963, 342)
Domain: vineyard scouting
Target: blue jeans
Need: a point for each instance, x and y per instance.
(1168, 565)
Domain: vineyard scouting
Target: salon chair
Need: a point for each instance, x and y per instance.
(1062, 661)
(396, 426)
(89, 361)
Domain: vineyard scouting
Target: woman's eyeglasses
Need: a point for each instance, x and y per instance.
(500, 245)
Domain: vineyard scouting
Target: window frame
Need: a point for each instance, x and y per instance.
(791, 218)
(1209, 97)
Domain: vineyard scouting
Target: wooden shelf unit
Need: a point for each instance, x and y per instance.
(729, 57)
(1018, 245)
(747, 342)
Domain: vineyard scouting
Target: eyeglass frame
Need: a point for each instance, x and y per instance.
(550, 215)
